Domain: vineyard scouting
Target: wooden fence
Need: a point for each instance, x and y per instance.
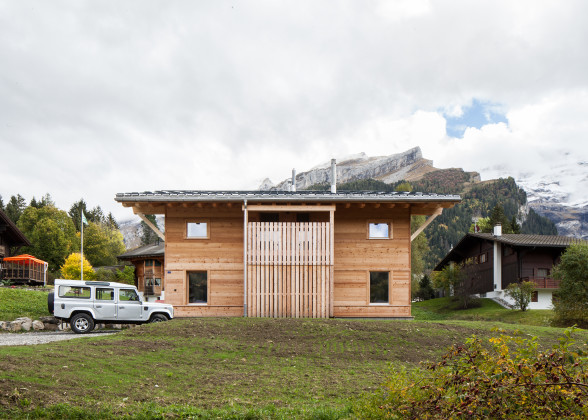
(290, 270)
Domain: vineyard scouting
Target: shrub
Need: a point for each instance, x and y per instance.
(509, 378)
(570, 302)
(521, 293)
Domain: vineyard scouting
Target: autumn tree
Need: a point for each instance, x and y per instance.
(102, 244)
(71, 269)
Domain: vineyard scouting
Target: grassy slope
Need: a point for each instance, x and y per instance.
(15, 303)
(221, 367)
(443, 309)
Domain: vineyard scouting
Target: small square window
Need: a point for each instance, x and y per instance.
(379, 230)
(197, 230)
(197, 287)
(379, 286)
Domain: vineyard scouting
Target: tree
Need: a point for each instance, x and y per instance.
(458, 280)
(75, 213)
(521, 293)
(46, 200)
(570, 301)
(126, 275)
(102, 244)
(404, 187)
(71, 268)
(51, 233)
(147, 235)
(15, 207)
(483, 225)
(419, 247)
(426, 290)
(1, 203)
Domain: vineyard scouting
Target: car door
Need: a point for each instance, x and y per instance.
(104, 304)
(129, 305)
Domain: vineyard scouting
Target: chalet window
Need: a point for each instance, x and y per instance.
(148, 263)
(379, 230)
(157, 263)
(198, 287)
(535, 297)
(157, 282)
(74, 292)
(379, 286)
(104, 294)
(483, 258)
(197, 230)
(542, 273)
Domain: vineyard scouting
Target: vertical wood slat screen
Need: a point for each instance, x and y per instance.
(289, 269)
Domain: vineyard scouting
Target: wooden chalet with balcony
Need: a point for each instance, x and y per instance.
(148, 261)
(287, 253)
(499, 260)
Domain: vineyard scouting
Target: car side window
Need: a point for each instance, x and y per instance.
(127, 295)
(104, 294)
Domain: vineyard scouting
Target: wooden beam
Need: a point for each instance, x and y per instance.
(391, 205)
(427, 223)
(151, 225)
(347, 205)
(303, 208)
(377, 205)
(361, 205)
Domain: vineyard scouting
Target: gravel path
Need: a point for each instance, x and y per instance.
(25, 339)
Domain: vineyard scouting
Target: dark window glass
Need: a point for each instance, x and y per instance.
(379, 287)
(269, 217)
(197, 287)
(157, 263)
(148, 263)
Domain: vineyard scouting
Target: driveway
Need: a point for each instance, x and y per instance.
(25, 339)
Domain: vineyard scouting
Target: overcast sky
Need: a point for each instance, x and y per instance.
(100, 97)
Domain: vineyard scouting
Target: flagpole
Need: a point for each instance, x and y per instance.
(82, 246)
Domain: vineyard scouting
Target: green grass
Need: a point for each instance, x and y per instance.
(445, 309)
(225, 368)
(18, 302)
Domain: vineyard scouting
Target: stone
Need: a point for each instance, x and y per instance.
(49, 320)
(26, 323)
(38, 325)
(15, 326)
(5, 325)
(50, 327)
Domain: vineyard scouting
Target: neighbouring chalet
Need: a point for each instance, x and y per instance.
(287, 253)
(500, 260)
(149, 262)
(10, 236)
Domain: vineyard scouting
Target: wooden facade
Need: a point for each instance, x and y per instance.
(149, 262)
(291, 258)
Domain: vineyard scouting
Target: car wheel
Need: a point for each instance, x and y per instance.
(81, 323)
(158, 318)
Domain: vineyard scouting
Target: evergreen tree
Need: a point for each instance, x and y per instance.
(15, 207)
(111, 222)
(147, 234)
(75, 213)
(1, 203)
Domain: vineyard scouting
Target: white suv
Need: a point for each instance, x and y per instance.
(84, 303)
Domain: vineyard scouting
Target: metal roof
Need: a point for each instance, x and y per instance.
(152, 250)
(283, 196)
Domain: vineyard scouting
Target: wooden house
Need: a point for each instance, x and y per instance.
(287, 254)
(149, 262)
(11, 238)
(498, 260)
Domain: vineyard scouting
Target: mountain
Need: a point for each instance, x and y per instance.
(131, 230)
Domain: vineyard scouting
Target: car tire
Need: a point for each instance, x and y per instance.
(157, 318)
(51, 303)
(81, 323)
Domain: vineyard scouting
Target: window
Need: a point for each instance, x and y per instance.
(148, 263)
(379, 286)
(198, 287)
(542, 273)
(74, 292)
(197, 230)
(127, 295)
(104, 294)
(379, 230)
(535, 297)
(483, 258)
(157, 263)
(157, 282)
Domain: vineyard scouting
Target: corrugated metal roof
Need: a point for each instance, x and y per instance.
(530, 240)
(151, 250)
(276, 196)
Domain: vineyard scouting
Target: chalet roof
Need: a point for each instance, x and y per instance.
(512, 239)
(152, 250)
(13, 234)
(282, 196)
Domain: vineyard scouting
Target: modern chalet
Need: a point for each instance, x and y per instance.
(287, 253)
(499, 260)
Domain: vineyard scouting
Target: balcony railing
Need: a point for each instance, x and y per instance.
(543, 282)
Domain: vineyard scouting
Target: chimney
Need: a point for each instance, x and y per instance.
(498, 230)
(293, 180)
(333, 176)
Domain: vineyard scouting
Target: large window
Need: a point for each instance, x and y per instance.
(74, 292)
(197, 287)
(379, 286)
(379, 230)
(197, 230)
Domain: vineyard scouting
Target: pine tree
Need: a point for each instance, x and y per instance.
(15, 207)
(147, 235)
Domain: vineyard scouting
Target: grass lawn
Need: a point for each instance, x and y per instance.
(18, 302)
(444, 309)
(225, 367)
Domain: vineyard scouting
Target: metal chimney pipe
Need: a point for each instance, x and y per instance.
(293, 180)
(333, 176)
(498, 230)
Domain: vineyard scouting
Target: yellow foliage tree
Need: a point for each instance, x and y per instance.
(71, 268)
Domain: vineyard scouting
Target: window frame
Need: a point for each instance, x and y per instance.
(379, 222)
(207, 272)
(369, 288)
(197, 221)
